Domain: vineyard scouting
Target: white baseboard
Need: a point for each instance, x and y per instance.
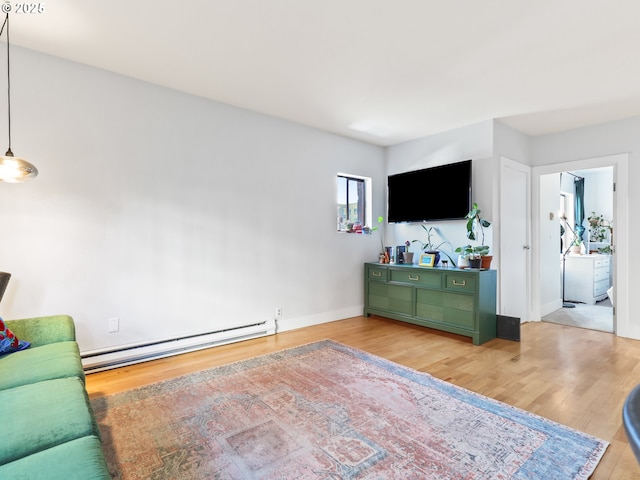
(324, 317)
(95, 361)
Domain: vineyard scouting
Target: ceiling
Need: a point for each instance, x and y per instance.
(381, 71)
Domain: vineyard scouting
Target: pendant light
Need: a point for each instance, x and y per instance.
(13, 169)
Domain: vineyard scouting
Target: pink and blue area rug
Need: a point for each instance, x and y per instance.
(328, 411)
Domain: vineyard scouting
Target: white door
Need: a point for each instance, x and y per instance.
(515, 247)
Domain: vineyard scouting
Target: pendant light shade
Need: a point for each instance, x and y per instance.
(13, 169)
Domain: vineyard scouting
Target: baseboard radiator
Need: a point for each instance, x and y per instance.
(99, 360)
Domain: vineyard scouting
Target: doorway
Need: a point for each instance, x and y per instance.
(585, 214)
(546, 279)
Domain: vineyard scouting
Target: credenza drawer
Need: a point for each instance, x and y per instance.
(377, 273)
(460, 282)
(422, 277)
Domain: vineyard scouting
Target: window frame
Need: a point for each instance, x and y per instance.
(364, 199)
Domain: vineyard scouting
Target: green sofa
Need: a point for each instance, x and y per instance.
(49, 430)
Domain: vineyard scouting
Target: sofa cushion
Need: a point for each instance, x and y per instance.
(79, 459)
(9, 343)
(44, 330)
(48, 362)
(44, 414)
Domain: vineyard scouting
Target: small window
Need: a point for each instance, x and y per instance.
(353, 203)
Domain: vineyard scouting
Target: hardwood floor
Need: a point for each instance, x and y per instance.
(573, 376)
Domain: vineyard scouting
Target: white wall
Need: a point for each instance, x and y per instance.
(473, 142)
(176, 214)
(598, 180)
(549, 245)
(510, 143)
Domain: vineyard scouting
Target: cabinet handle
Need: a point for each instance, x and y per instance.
(417, 277)
(455, 282)
(376, 274)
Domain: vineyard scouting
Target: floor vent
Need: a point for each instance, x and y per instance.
(508, 328)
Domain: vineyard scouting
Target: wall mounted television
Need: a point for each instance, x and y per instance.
(436, 193)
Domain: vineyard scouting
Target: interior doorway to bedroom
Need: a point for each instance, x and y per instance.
(584, 259)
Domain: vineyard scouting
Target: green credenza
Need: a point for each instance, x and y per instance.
(455, 300)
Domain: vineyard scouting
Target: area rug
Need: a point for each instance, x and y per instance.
(593, 317)
(328, 411)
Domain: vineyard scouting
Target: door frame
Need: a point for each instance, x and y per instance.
(620, 164)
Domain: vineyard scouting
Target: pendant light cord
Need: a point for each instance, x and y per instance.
(6, 24)
(19, 170)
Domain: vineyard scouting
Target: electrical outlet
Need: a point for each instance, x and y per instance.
(114, 325)
(278, 312)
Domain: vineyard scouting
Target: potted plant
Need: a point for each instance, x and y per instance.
(598, 228)
(475, 227)
(430, 247)
(473, 253)
(384, 253)
(407, 255)
(576, 246)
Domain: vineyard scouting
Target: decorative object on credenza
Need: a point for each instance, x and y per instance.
(473, 254)
(485, 260)
(476, 222)
(404, 256)
(475, 231)
(13, 169)
(4, 280)
(427, 260)
(430, 247)
(385, 254)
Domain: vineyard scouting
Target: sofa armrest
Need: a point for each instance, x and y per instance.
(43, 330)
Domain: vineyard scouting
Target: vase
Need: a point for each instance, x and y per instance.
(407, 257)
(463, 261)
(475, 262)
(486, 261)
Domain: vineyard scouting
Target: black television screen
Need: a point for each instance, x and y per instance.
(436, 193)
